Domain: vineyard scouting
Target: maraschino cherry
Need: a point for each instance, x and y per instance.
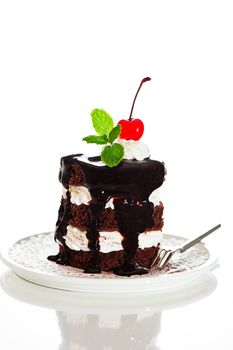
(132, 129)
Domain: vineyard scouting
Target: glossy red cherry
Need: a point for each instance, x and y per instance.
(132, 129)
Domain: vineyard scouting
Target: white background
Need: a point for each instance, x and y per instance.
(61, 59)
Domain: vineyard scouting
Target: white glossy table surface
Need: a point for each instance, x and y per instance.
(196, 317)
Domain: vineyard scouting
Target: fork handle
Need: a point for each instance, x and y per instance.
(198, 239)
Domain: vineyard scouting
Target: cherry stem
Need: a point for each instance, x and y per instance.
(142, 82)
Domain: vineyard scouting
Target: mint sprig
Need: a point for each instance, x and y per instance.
(113, 153)
(102, 122)
(99, 140)
(114, 133)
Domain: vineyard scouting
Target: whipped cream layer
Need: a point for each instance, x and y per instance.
(81, 195)
(109, 241)
(134, 149)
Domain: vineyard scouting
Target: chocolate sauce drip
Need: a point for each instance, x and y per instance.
(94, 159)
(60, 259)
(54, 258)
(64, 216)
(93, 237)
(60, 215)
(61, 228)
(133, 218)
(130, 185)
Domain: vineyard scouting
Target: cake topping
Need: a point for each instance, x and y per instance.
(112, 153)
(134, 149)
(114, 137)
(132, 129)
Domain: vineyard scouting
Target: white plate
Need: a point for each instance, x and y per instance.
(98, 303)
(28, 259)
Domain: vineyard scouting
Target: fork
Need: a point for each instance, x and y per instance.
(164, 255)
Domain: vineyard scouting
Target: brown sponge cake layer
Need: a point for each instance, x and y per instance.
(76, 176)
(107, 221)
(108, 261)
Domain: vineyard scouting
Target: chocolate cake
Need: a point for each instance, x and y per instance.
(110, 217)
(106, 220)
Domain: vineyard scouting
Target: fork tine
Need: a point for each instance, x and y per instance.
(166, 258)
(159, 257)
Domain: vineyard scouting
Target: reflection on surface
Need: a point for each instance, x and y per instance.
(109, 331)
(104, 321)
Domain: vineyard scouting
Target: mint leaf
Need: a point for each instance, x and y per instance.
(100, 140)
(102, 122)
(114, 133)
(112, 155)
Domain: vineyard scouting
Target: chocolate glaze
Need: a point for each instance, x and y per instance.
(130, 185)
(133, 218)
(94, 159)
(130, 179)
(93, 236)
(64, 216)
